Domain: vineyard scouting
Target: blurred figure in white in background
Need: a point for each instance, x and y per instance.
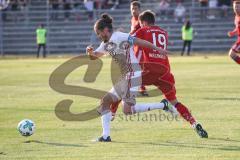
(162, 10)
(115, 5)
(212, 9)
(179, 13)
(89, 7)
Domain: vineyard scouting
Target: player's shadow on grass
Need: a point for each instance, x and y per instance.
(223, 99)
(222, 147)
(2, 153)
(225, 139)
(55, 144)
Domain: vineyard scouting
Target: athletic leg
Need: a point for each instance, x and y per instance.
(189, 47)
(112, 98)
(143, 91)
(167, 85)
(113, 108)
(183, 111)
(38, 50)
(184, 46)
(235, 57)
(44, 50)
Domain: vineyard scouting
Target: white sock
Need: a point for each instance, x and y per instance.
(106, 119)
(148, 107)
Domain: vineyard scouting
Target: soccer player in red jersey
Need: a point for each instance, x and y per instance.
(156, 70)
(156, 67)
(234, 52)
(135, 8)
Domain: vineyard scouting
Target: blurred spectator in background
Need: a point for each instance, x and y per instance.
(162, 10)
(55, 8)
(67, 6)
(203, 8)
(76, 9)
(89, 7)
(4, 8)
(97, 4)
(179, 13)
(224, 4)
(4, 14)
(115, 4)
(14, 9)
(187, 37)
(100, 4)
(41, 34)
(212, 9)
(23, 9)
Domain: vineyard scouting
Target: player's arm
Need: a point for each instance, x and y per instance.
(93, 54)
(146, 44)
(232, 33)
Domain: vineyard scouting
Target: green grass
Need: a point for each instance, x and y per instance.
(209, 86)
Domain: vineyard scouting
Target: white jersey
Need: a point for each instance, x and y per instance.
(120, 47)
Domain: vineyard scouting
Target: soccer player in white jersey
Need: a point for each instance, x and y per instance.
(119, 46)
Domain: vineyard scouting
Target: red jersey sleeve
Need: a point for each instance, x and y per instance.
(134, 25)
(140, 33)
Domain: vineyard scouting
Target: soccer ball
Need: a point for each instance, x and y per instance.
(26, 127)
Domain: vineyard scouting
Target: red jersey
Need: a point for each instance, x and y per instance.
(237, 26)
(236, 31)
(134, 25)
(158, 37)
(155, 66)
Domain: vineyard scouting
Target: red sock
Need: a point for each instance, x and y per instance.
(236, 58)
(184, 112)
(114, 106)
(142, 88)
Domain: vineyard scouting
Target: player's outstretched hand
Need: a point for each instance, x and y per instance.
(230, 34)
(89, 52)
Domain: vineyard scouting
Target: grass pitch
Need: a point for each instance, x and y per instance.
(209, 86)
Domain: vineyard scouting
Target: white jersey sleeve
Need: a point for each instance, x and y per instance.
(120, 36)
(101, 48)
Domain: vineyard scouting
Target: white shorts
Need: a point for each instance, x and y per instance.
(126, 89)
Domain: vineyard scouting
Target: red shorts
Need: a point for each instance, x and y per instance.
(236, 47)
(161, 77)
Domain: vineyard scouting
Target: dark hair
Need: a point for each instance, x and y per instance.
(136, 3)
(187, 24)
(105, 21)
(147, 16)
